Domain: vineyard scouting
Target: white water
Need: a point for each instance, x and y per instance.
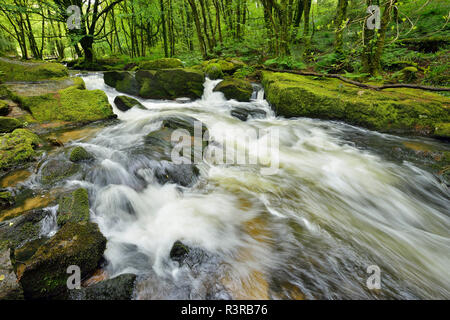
(331, 211)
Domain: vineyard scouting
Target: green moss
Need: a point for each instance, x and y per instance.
(164, 63)
(73, 207)
(17, 148)
(228, 66)
(70, 104)
(213, 71)
(442, 130)
(6, 199)
(238, 89)
(123, 81)
(8, 124)
(4, 108)
(45, 274)
(79, 154)
(390, 110)
(22, 71)
(57, 170)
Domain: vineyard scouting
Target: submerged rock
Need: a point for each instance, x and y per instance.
(73, 207)
(399, 111)
(17, 148)
(8, 124)
(10, 289)
(238, 89)
(79, 154)
(57, 170)
(118, 288)
(179, 251)
(124, 103)
(45, 275)
(164, 63)
(243, 113)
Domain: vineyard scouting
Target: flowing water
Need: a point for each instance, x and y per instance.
(339, 203)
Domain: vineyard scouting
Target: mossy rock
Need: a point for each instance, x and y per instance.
(73, 207)
(213, 71)
(409, 74)
(442, 130)
(8, 124)
(79, 154)
(164, 63)
(6, 199)
(17, 148)
(125, 103)
(14, 70)
(4, 108)
(118, 288)
(70, 104)
(238, 89)
(390, 110)
(170, 83)
(123, 81)
(228, 65)
(44, 275)
(57, 170)
(10, 289)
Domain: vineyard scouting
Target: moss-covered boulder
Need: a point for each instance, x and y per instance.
(124, 103)
(390, 110)
(442, 130)
(238, 89)
(14, 70)
(10, 289)
(8, 124)
(79, 154)
(213, 71)
(227, 66)
(6, 199)
(118, 288)
(164, 63)
(123, 81)
(17, 148)
(4, 108)
(57, 170)
(70, 104)
(73, 207)
(44, 275)
(170, 83)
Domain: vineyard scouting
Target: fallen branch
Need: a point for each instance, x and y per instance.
(359, 84)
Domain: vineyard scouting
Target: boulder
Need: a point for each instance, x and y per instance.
(79, 154)
(10, 289)
(213, 71)
(179, 251)
(227, 66)
(123, 81)
(118, 288)
(73, 207)
(238, 89)
(4, 108)
(392, 110)
(17, 148)
(243, 113)
(57, 170)
(14, 70)
(164, 63)
(45, 275)
(6, 199)
(170, 83)
(124, 103)
(8, 124)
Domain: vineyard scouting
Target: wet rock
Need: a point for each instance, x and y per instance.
(118, 288)
(79, 154)
(44, 275)
(164, 63)
(123, 81)
(238, 89)
(10, 289)
(55, 142)
(57, 170)
(179, 251)
(26, 227)
(170, 83)
(6, 199)
(181, 174)
(124, 103)
(8, 124)
(4, 108)
(243, 113)
(17, 148)
(73, 207)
